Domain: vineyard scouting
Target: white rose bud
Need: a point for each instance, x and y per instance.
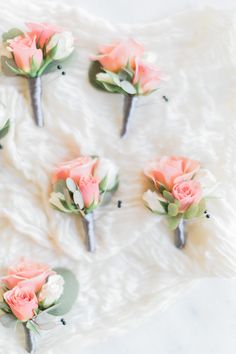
(107, 172)
(51, 291)
(153, 201)
(65, 45)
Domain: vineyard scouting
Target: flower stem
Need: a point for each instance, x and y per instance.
(88, 225)
(35, 87)
(128, 109)
(180, 235)
(29, 339)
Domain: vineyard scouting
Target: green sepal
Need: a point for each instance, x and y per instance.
(168, 196)
(173, 209)
(191, 212)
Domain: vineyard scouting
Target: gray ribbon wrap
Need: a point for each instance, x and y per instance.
(88, 224)
(181, 235)
(35, 87)
(128, 109)
(29, 340)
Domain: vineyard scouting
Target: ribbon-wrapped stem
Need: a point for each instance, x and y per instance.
(180, 234)
(29, 340)
(35, 87)
(129, 106)
(88, 224)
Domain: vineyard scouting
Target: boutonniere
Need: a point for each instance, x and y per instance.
(179, 193)
(30, 54)
(36, 296)
(119, 68)
(4, 129)
(82, 185)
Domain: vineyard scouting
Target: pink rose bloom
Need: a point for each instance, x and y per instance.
(22, 302)
(187, 193)
(147, 76)
(116, 56)
(42, 32)
(27, 274)
(169, 170)
(89, 187)
(24, 50)
(81, 167)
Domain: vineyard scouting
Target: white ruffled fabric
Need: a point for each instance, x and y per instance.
(136, 270)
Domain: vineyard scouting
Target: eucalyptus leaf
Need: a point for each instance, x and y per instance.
(103, 184)
(168, 196)
(128, 87)
(8, 320)
(70, 293)
(71, 185)
(12, 33)
(5, 129)
(78, 199)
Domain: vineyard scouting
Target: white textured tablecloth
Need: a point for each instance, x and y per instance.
(136, 269)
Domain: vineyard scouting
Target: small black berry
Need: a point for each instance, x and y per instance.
(165, 98)
(207, 216)
(205, 211)
(59, 67)
(63, 321)
(63, 73)
(119, 203)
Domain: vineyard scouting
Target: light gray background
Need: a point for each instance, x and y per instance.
(204, 320)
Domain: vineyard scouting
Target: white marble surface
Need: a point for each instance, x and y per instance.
(203, 321)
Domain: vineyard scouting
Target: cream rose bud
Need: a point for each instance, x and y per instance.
(51, 291)
(107, 172)
(152, 201)
(65, 45)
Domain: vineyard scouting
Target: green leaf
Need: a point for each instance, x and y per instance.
(164, 206)
(70, 293)
(103, 184)
(12, 33)
(191, 211)
(173, 221)
(4, 307)
(5, 129)
(59, 186)
(94, 69)
(173, 209)
(168, 196)
(128, 87)
(91, 208)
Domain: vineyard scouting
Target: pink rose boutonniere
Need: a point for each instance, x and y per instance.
(80, 186)
(120, 68)
(33, 293)
(179, 193)
(31, 53)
